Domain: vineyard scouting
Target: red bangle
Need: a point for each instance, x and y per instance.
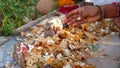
(116, 4)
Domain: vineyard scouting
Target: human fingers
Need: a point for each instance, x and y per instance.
(87, 20)
(78, 23)
(72, 21)
(117, 22)
(73, 12)
(71, 18)
(93, 19)
(117, 19)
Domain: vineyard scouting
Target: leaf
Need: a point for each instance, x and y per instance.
(19, 23)
(38, 63)
(94, 47)
(16, 8)
(7, 13)
(7, 27)
(31, 2)
(2, 4)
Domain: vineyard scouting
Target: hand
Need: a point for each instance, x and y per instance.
(83, 15)
(117, 21)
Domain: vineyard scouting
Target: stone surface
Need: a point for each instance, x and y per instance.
(6, 51)
(3, 40)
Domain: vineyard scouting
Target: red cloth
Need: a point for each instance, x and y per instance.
(67, 8)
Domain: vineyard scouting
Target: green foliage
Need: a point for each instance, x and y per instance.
(12, 13)
(7, 26)
(38, 63)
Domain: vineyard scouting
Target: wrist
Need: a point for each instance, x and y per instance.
(101, 12)
(109, 11)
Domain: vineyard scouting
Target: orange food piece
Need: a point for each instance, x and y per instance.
(38, 44)
(39, 25)
(84, 26)
(32, 30)
(76, 37)
(50, 60)
(22, 33)
(76, 66)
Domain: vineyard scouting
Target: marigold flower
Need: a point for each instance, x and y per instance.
(65, 2)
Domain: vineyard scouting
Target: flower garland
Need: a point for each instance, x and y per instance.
(65, 2)
(65, 6)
